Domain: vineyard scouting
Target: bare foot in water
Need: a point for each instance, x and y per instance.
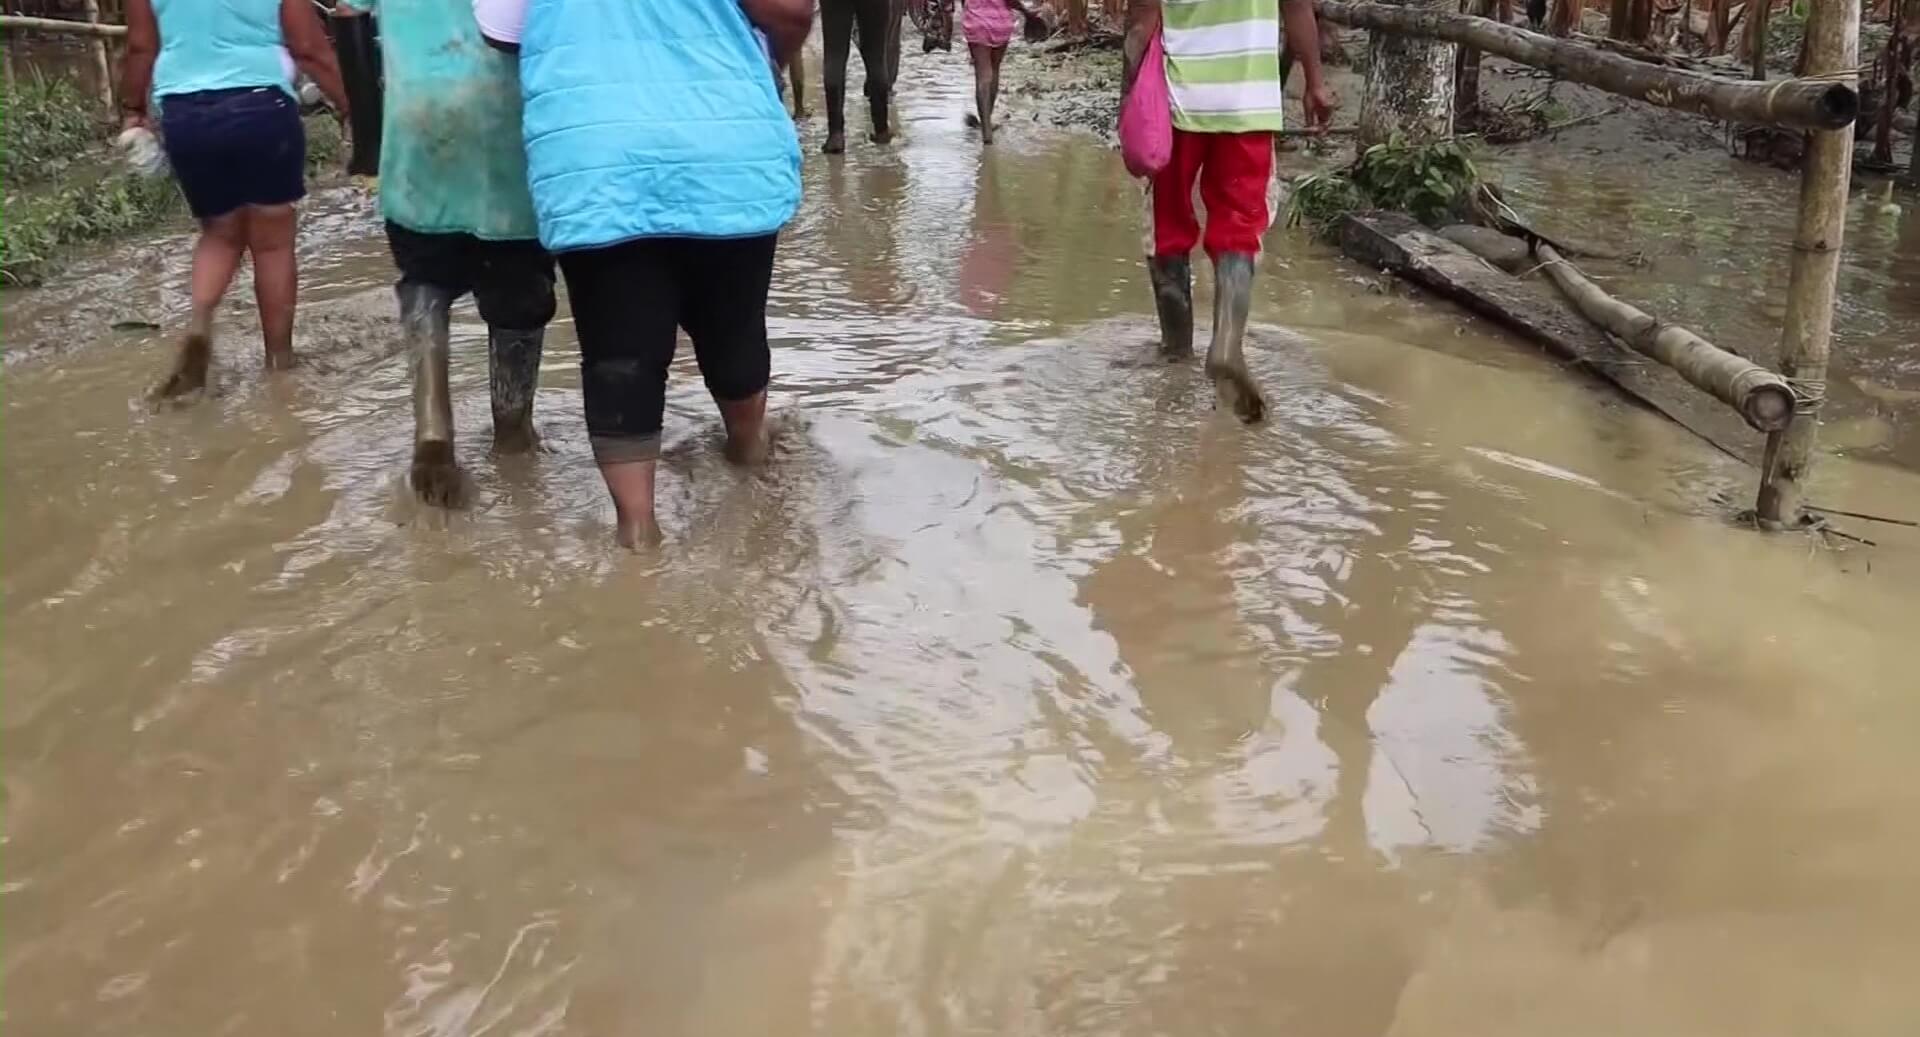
(836, 144)
(749, 452)
(435, 477)
(189, 374)
(281, 361)
(637, 534)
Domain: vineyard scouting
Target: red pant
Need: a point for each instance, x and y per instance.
(1233, 170)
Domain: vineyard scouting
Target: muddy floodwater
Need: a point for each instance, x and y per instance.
(1023, 694)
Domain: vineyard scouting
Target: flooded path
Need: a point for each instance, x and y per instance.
(1023, 695)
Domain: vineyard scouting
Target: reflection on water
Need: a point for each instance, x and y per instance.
(1023, 694)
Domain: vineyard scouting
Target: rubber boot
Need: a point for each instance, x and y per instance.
(423, 319)
(1173, 301)
(513, 368)
(836, 119)
(882, 130)
(1226, 364)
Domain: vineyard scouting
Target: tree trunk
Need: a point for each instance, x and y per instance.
(1757, 33)
(1409, 86)
(1813, 104)
(1762, 397)
(1640, 24)
(1617, 18)
(1466, 83)
(1717, 26)
(1564, 17)
(1833, 48)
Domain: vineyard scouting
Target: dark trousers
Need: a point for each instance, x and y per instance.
(630, 302)
(511, 281)
(356, 41)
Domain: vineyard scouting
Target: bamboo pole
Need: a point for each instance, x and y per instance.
(1798, 104)
(57, 26)
(1833, 48)
(102, 68)
(1763, 398)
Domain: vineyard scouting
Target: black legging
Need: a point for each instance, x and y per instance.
(630, 302)
(878, 25)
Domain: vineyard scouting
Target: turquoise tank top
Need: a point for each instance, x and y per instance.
(219, 45)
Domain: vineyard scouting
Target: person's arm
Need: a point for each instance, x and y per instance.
(136, 67)
(1303, 36)
(1143, 19)
(312, 51)
(786, 23)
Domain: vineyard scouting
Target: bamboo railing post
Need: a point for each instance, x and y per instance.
(102, 68)
(1833, 48)
(60, 26)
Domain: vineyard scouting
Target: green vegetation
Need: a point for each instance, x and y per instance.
(65, 187)
(44, 124)
(1431, 182)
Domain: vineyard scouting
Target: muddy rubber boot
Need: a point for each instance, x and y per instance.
(1173, 301)
(836, 120)
(423, 320)
(513, 370)
(882, 129)
(1226, 364)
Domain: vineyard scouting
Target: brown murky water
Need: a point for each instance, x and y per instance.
(1717, 236)
(1023, 694)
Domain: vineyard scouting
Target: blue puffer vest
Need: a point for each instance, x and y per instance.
(653, 118)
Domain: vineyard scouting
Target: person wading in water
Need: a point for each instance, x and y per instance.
(663, 166)
(989, 26)
(231, 127)
(1223, 74)
(453, 190)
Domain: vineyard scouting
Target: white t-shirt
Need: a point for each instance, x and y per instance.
(500, 20)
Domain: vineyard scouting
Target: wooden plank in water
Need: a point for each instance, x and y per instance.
(1399, 244)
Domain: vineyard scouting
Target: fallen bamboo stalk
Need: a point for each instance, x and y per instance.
(1808, 104)
(20, 22)
(1762, 397)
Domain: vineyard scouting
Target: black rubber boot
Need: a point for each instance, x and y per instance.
(836, 119)
(513, 368)
(1173, 301)
(1226, 363)
(424, 320)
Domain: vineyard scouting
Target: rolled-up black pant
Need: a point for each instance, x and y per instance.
(629, 303)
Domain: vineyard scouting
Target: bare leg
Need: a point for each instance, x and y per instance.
(216, 255)
(276, 278)
(630, 483)
(994, 56)
(746, 422)
(797, 72)
(982, 97)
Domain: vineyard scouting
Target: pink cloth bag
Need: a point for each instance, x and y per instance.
(1146, 116)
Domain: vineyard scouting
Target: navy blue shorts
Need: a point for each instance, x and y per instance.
(234, 148)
